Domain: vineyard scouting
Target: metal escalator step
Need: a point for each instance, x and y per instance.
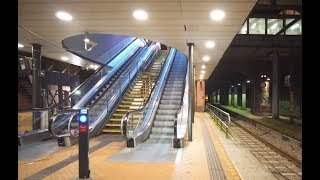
(111, 130)
(161, 136)
(130, 105)
(113, 124)
(124, 110)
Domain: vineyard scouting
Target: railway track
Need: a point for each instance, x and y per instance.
(282, 165)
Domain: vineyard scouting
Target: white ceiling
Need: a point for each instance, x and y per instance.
(165, 24)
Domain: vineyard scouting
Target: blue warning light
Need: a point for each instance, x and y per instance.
(83, 116)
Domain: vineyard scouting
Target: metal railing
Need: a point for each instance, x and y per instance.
(221, 118)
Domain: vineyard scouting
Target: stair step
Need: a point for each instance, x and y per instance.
(111, 130)
(172, 93)
(166, 112)
(113, 124)
(163, 123)
(164, 117)
(169, 101)
(173, 85)
(170, 106)
(162, 130)
(170, 97)
(161, 136)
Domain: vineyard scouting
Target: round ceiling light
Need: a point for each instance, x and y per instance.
(206, 58)
(210, 44)
(64, 16)
(64, 58)
(217, 15)
(140, 15)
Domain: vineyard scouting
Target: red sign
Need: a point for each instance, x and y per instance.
(83, 128)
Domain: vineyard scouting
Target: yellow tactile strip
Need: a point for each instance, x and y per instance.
(228, 167)
(193, 164)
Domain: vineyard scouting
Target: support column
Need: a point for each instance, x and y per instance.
(229, 97)
(214, 97)
(218, 96)
(194, 89)
(275, 85)
(235, 96)
(200, 96)
(60, 96)
(243, 97)
(36, 84)
(191, 94)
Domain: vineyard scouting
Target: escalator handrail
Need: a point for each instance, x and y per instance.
(93, 124)
(154, 101)
(184, 100)
(139, 110)
(73, 112)
(102, 95)
(75, 90)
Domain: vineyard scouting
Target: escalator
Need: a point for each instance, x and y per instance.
(104, 96)
(81, 95)
(165, 115)
(137, 94)
(170, 102)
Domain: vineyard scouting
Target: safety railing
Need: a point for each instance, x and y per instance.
(221, 118)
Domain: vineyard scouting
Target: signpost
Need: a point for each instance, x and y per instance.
(83, 119)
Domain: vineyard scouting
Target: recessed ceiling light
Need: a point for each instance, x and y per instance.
(20, 45)
(203, 66)
(217, 15)
(203, 72)
(206, 58)
(210, 44)
(140, 15)
(64, 16)
(64, 58)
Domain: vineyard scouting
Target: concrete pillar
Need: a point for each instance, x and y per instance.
(200, 95)
(214, 97)
(36, 85)
(194, 89)
(275, 85)
(191, 94)
(235, 96)
(60, 96)
(230, 97)
(243, 96)
(218, 96)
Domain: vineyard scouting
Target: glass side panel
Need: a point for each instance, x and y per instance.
(295, 29)
(274, 26)
(257, 26)
(243, 30)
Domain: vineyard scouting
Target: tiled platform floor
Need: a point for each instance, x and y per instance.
(192, 165)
